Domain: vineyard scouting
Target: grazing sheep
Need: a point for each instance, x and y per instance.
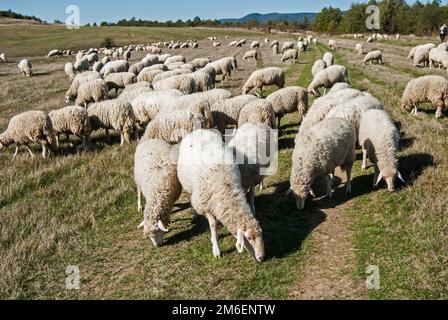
(71, 120)
(274, 43)
(328, 57)
(255, 44)
(92, 91)
(317, 152)
(197, 104)
(174, 59)
(137, 67)
(185, 83)
(264, 77)
(227, 112)
(421, 54)
(69, 70)
(204, 81)
(79, 79)
(339, 86)
(113, 114)
(119, 80)
(321, 106)
(253, 146)
(433, 89)
(318, 65)
(241, 43)
(158, 66)
(97, 66)
(289, 100)
(232, 43)
(105, 60)
(287, 45)
(55, 53)
(114, 67)
(412, 52)
(25, 67)
(252, 54)
(216, 44)
(155, 174)
(314, 42)
(174, 126)
(369, 39)
(332, 44)
(327, 78)
(359, 48)
(302, 45)
(375, 55)
(438, 56)
(148, 74)
(169, 74)
(291, 55)
(29, 127)
(206, 171)
(199, 63)
(81, 65)
(379, 138)
(275, 49)
(127, 55)
(3, 57)
(92, 57)
(258, 111)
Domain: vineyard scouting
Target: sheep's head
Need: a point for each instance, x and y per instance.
(252, 240)
(313, 91)
(389, 177)
(155, 232)
(301, 192)
(406, 105)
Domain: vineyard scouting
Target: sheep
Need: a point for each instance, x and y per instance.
(173, 59)
(3, 57)
(69, 70)
(150, 60)
(25, 67)
(275, 49)
(127, 55)
(321, 106)
(148, 74)
(353, 109)
(155, 175)
(136, 68)
(105, 60)
(359, 48)
(411, 54)
(198, 104)
(199, 63)
(222, 67)
(421, 54)
(332, 44)
(211, 96)
(158, 66)
(79, 55)
(264, 77)
(119, 80)
(216, 44)
(255, 44)
(174, 126)
(92, 57)
(55, 53)
(113, 114)
(227, 112)
(187, 66)
(317, 152)
(439, 56)
(81, 65)
(241, 43)
(327, 77)
(287, 45)
(183, 82)
(318, 65)
(375, 55)
(253, 145)
(252, 54)
(211, 71)
(339, 86)
(147, 105)
(29, 127)
(433, 89)
(71, 120)
(289, 100)
(203, 81)
(369, 39)
(328, 57)
(134, 90)
(97, 66)
(72, 92)
(315, 42)
(232, 43)
(258, 111)
(379, 138)
(274, 43)
(92, 90)
(114, 67)
(169, 74)
(290, 55)
(216, 190)
(175, 65)
(443, 46)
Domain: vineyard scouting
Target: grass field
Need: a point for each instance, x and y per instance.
(79, 208)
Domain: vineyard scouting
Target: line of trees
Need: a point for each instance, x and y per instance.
(15, 15)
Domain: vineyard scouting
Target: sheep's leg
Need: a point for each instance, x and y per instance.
(122, 139)
(414, 112)
(139, 199)
(16, 152)
(364, 159)
(252, 198)
(329, 190)
(29, 150)
(57, 140)
(194, 216)
(439, 111)
(278, 122)
(375, 175)
(261, 185)
(44, 149)
(348, 184)
(214, 235)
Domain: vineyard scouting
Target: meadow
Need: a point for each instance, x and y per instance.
(80, 207)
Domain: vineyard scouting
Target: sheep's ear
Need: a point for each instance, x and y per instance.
(239, 241)
(400, 177)
(380, 177)
(312, 193)
(162, 226)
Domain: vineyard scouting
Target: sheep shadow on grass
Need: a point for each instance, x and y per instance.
(413, 165)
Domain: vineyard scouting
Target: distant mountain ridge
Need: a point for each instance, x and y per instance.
(275, 16)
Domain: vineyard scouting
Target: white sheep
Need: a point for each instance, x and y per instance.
(339, 86)
(203, 80)
(318, 65)
(169, 74)
(25, 67)
(411, 54)
(183, 82)
(421, 54)
(29, 127)
(92, 91)
(81, 65)
(289, 100)
(55, 53)
(328, 57)
(148, 74)
(258, 111)
(173, 59)
(113, 114)
(438, 56)
(327, 78)
(375, 55)
(332, 44)
(71, 120)
(379, 138)
(155, 174)
(291, 55)
(69, 70)
(264, 77)
(255, 44)
(119, 80)
(199, 63)
(72, 92)
(114, 66)
(207, 172)
(252, 54)
(287, 45)
(433, 89)
(3, 57)
(359, 48)
(227, 112)
(275, 49)
(317, 152)
(274, 43)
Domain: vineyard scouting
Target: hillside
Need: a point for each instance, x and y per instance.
(263, 18)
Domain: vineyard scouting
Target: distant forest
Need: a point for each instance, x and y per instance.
(15, 15)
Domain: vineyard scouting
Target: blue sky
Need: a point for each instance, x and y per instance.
(162, 10)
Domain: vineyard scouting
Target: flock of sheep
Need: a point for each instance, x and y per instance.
(180, 107)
